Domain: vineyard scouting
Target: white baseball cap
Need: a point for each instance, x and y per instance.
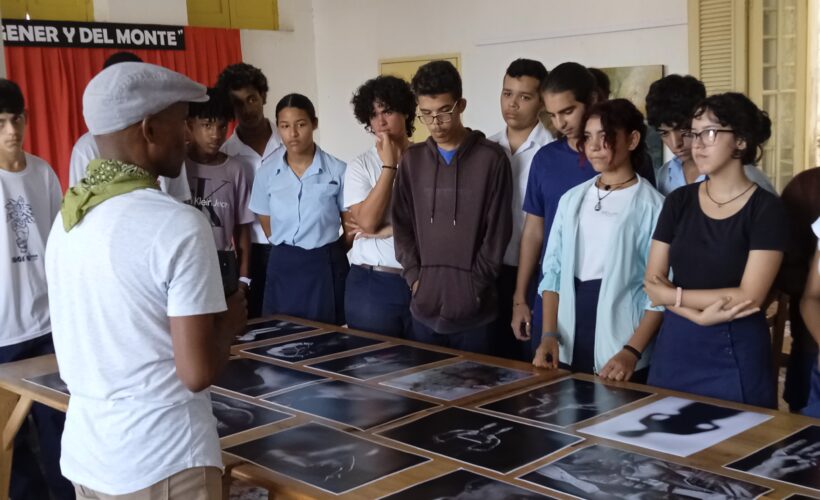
(125, 93)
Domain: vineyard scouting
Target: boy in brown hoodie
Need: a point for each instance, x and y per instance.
(451, 218)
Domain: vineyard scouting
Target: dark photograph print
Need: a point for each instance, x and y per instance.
(381, 362)
(270, 330)
(313, 347)
(50, 381)
(600, 472)
(234, 415)
(676, 426)
(326, 458)
(352, 404)
(465, 485)
(566, 402)
(457, 380)
(794, 460)
(482, 440)
(255, 378)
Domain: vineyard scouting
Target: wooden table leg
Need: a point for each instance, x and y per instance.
(13, 412)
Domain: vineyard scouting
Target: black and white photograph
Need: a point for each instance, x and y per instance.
(50, 381)
(566, 402)
(270, 330)
(676, 426)
(256, 378)
(600, 473)
(329, 459)
(352, 404)
(380, 362)
(798, 496)
(479, 439)
(313, 347)
(794, 460)
(234, 415)
(465, 485)
(457, 380)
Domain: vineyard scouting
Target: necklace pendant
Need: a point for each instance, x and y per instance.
(607, 187)
(598, 206)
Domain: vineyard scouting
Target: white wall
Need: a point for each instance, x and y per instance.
(352, 35)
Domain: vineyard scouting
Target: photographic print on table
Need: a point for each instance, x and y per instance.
(380, 362)
(676, 426)
(50, 381)
(256, 378)
(600, 472)
(457, 380)
(352, 404)
(465, 485)
(234, 415)
(329, 459)
(313, 347)
(794, 459)
(566, 402)
(798, 496)
(479, 439)
(269, 330)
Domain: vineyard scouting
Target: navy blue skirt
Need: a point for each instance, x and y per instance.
(730, 361)
(308, 284)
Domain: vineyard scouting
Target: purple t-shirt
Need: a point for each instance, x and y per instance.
(222, 194)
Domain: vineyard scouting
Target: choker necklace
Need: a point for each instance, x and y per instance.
(721, 204)
(608, 188)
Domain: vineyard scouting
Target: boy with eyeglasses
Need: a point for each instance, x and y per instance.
(451, 218)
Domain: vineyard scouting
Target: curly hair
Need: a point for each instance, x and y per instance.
(237, 76)
(121, 57)
(572, 77)
(672, 99)
(615, 115)
(217, 107)
(748, 122)
(11, 97)
(390, 92)
(437, 77)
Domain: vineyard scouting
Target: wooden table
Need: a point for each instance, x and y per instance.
(16, 396)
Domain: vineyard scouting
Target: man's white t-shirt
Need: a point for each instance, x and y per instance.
(85, 150)
(30, 199)
(251, 162)
(361, 177)
(114, 280)
(520, 163)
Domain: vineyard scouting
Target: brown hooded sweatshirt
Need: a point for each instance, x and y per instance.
(451, 226)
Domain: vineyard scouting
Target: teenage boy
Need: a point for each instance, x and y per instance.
(669, 106)
(451, 218)
(524, 135)
(568, 91)
(85, 149)
(136, 298)
(219, 189)
(376, 297)
(253, 144)
(30, 197)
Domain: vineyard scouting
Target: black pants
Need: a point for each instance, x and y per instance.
(259, 272)
(502, 340)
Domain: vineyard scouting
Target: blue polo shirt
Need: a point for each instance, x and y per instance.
(556, 168)
(303, 212)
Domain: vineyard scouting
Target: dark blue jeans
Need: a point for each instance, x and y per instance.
(28, 479)
(475, 340)
(378, 302)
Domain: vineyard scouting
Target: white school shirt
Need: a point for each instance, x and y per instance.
(114, 280)
(85, 150)
(361, 177)
(29, 200)
(251, 161)
(520, 163)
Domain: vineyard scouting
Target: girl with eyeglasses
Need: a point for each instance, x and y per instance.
(597, 318)
(723, 240)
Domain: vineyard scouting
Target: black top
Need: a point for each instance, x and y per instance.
(707, 253)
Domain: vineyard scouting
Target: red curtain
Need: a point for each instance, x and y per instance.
(53, 80)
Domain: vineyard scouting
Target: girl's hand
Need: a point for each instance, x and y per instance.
(620, 367)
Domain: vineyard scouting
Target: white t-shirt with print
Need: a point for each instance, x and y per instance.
(361, 177)
(114, 280)
(30, 199)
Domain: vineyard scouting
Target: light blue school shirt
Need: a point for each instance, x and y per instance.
(622, 301)
(303, 212)
(670, 177)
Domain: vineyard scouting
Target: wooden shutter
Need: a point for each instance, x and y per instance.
(718, 48)
(210, 13)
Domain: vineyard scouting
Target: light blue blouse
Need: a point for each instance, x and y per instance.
(303, 212)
